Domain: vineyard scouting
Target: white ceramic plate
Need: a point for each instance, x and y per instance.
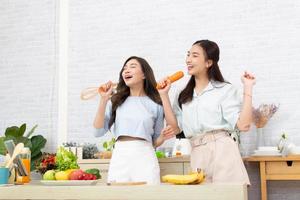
(70, 182)
(266, 153)
(267, 148)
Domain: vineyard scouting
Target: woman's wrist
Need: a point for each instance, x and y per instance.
(247, 95)
(103, 101)
(164, 96)
(248, 89)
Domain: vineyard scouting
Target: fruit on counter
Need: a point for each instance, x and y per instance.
(76, 175)
(200, 175)
(69, 171)
(94, 171)
(49, 175)
(160, 154)
(81, 175)
(61, 176)
(46, 163)
(193, 178)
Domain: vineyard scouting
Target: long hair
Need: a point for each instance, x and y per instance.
(123, 91)
(211, 52)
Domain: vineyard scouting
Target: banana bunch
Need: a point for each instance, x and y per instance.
(192, 178)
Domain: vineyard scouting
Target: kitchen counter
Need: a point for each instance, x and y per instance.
(35, 191)
(160, 160)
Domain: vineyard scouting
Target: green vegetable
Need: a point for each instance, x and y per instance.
(65, 160)
(160, 154)
(109, 145)
(94, 171)
(17, 134)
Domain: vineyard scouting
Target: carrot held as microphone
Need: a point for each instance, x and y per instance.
(174, 77)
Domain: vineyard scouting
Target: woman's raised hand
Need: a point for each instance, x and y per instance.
(106, 90)
(164, 86)
(248, 79)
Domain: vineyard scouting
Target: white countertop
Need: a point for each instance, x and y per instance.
(37, 191)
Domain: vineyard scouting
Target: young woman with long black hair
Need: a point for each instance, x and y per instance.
(136, 114)
(207, 110)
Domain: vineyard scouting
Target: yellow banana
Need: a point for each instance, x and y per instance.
(193, 178)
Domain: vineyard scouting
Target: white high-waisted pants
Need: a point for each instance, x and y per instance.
(134, 161)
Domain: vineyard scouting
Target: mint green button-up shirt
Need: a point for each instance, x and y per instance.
(216, 107)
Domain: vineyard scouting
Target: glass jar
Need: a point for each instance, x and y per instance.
(260, 139)
(25, 157)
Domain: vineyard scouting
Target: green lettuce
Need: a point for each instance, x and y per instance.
(65, 160)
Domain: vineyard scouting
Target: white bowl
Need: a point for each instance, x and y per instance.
(294, 150)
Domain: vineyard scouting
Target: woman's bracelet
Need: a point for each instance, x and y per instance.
(245, 94)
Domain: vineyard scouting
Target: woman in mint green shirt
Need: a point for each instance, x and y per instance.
(207, 110)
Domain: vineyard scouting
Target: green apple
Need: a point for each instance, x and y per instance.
(49, 175)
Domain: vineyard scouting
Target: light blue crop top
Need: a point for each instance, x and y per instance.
(138, 116)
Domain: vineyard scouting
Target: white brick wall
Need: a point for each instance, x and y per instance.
(260, 36)
(28, 66)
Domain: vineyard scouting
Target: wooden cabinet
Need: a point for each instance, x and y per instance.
(171, 168)
(187, 168)
(276, 168)
(283, 167)
(176, 165)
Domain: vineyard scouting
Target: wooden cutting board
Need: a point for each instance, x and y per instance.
(127, 183)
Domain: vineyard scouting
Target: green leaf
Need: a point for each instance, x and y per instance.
(34, 159)
(105, 145)
(12, 131)
(38, 142)
(22, 130)
(31, 131)
(2, 147)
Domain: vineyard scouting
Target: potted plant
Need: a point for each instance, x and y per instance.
(108, 147)
(17, 134)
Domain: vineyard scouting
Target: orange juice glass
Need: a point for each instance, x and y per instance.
(25, 158)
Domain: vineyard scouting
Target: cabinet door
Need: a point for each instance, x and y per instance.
(187, 168)
(171, 168)
(102, 167)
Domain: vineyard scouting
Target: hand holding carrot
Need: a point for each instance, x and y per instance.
(174, 77)
(164, 85)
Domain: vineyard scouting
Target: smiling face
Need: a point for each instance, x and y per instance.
(132, 73)
(196, 61)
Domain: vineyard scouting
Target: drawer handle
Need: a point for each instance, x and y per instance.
(289, 163)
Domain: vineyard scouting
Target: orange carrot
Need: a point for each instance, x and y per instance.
(174, 77)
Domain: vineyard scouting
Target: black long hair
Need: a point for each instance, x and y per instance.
(123, 91)
(211, 52)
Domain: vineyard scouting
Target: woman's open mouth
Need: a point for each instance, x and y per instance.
(128, 77)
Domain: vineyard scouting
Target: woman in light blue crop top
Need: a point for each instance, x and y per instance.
(207, 109)
(136, 114)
